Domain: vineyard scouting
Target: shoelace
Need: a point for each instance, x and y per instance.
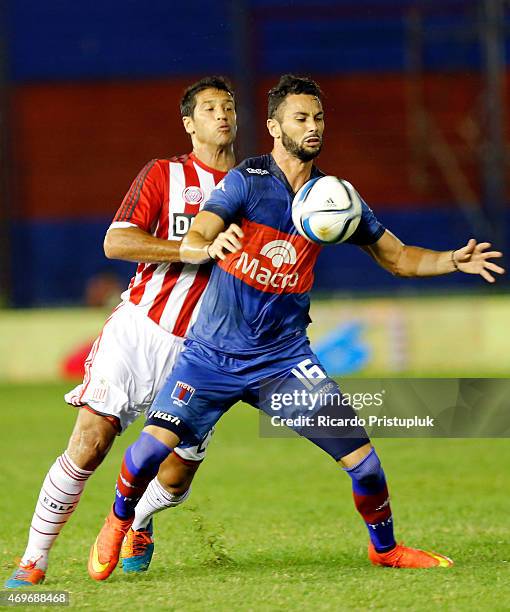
(139, 542)
(25, 568)
(397, 554)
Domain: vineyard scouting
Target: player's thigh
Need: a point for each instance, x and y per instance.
(128, 363)
(300, 395)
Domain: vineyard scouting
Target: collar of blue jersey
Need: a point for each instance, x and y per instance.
(275, 169)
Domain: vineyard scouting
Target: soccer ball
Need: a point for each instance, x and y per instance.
(326, 210)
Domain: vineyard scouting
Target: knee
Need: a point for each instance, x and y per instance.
(368, 471)
(148, 453)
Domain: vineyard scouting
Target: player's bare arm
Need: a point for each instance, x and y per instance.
(206, 239)
(404, 260)
(133, 244)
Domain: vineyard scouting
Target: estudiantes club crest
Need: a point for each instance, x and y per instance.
(193, 195)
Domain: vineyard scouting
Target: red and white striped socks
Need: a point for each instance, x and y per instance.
(58, 499)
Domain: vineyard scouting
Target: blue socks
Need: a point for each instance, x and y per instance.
(140, 464)
(372, 500)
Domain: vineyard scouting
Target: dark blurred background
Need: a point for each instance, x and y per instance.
(416, 118)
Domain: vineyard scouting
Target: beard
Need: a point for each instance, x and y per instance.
(298, 150)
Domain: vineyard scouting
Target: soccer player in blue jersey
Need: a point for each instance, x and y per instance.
(250, 336)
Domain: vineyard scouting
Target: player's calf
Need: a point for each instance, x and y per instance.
(372, 500)
(91, 438)
(138, 546)
(170, 488)
(373, 503)
(176, 473)
(60, 493)
(140, 465)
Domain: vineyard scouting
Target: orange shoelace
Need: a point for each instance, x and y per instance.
(26, 568)
(139, 542)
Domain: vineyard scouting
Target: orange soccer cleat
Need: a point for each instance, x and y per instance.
(410, 558)
(26, 574)
(104, 554)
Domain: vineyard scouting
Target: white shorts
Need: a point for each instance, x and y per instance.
(127, 365)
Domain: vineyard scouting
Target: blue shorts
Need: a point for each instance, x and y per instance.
(205, 383)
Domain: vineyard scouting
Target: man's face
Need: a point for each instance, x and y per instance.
(214, 118)
(301, 120)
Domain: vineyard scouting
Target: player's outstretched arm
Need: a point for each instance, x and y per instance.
(133, 244)
(206, 239)
(403, 260)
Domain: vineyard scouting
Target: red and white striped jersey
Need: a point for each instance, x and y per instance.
(163, 199)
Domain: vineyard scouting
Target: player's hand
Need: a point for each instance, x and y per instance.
(226, 242)
(474, 259)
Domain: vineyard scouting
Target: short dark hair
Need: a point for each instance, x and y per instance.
(189, 101)
(287, 85)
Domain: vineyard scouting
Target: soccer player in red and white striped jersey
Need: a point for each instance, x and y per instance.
(142, 338)
(163, 201)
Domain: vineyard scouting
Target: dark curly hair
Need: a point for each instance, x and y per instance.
(287, 85)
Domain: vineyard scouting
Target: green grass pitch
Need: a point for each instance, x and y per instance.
(270, 524)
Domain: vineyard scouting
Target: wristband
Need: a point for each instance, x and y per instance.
(454, 262)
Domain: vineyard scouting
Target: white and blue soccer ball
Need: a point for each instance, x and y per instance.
(326, 210)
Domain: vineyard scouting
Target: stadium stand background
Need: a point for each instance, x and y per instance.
(92, 93)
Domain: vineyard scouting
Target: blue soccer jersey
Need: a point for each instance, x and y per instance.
(257, 299)
(249, 341)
